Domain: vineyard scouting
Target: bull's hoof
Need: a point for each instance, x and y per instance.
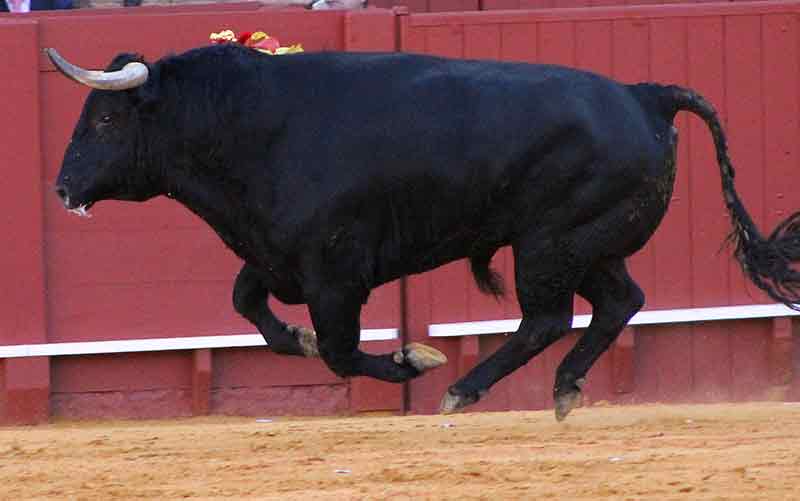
(421, 357)
(452, 402)
(307, 339)
(569, 400)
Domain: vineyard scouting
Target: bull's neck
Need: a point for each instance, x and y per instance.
(225, 212)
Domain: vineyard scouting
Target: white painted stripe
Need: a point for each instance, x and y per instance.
(159, 344)
(642, 318)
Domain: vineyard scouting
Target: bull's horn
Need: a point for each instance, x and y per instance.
(130, 76)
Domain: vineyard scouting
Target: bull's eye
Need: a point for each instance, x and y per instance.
(106, 119)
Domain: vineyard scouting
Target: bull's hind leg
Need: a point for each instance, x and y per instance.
(546, 279)
(250, 301)
(335, 314)
(615, 298)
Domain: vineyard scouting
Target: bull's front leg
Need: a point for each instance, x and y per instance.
(335, 314)
(250, 300)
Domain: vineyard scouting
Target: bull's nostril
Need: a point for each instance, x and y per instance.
(61, 192)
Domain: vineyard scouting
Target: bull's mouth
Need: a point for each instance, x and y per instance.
(81, 210)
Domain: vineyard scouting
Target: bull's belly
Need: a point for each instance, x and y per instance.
(396, 262)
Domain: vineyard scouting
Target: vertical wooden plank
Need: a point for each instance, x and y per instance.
(201, 382)
(743, 93)
(447, 41)
(672, 242)
(22, 295)
(551, 358)
(750, 359)
(482, 41)
(500, 396)
(599, 381)
(622, 362)
(519, 42)
(711, 362)
(674, 362)
(593, 46)
(469, 354)
(710, 223)
(23, 313)
(383, 309)
(412, 39)
(781, 348)
(370, 30)
(645, 371)
(781, 74)
(557, 43)
(368, 394)
(450, 293)
(631, 50)
(424, 393)
(27, 390)
(528, 386)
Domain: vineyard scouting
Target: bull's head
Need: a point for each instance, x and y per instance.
(101, 161)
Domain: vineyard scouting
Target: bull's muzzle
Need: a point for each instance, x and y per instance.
(79, 209)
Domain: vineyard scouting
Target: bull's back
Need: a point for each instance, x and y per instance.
(435, 159)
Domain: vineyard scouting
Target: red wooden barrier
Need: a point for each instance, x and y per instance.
(154, 271)
(560, 4)
(418, 6)
(744, 58)
(151, 270)
(23, 315)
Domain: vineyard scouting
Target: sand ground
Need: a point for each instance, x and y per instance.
(657, 452)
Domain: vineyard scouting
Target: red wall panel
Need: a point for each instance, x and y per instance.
(730, 54)
(23, 313)
(143, 270)
(154, 270)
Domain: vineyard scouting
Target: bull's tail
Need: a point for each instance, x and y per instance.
(767, 261)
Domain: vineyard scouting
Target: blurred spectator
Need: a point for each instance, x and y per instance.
(318, 4)
(338, 4)
(29, 5)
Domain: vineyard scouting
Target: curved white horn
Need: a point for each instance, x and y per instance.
(130, 76)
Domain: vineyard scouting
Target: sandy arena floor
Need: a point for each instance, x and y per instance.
(749, 451)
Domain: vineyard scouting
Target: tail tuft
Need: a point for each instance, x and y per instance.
(768, 262)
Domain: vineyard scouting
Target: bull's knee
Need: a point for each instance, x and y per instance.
(635, 299)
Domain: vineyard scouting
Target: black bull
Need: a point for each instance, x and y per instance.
(330, 174)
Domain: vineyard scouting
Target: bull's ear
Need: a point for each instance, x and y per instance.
(147, 96)
(121, 60)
